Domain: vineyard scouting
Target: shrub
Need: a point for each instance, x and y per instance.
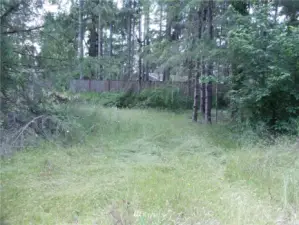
(265, 74)
(170, 98)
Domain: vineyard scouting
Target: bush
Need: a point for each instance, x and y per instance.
(105, 98)
(265, 74)
(170, 98)
(63, 124)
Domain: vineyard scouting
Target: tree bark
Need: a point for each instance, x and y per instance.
(161, 20)
(208, 100)
(146, 30)
(209, 97)
(133, 38)
(202, 15)
(202, 90)
(140, 52)
(166, 72)
(111, 40)
(100, 44)
(93, 38)
(129, 41)
(190, 71)
(80, 39)
(195, 99)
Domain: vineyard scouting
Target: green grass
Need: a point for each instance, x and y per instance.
(151, 167)
(96, 98)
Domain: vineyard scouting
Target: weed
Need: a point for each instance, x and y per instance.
(168, 170)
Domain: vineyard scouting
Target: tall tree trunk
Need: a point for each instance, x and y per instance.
(80, 39)
(209, 97)
(195, 99)
(202, 89)
(166, 72)
(208, 117)
(140, 53)
(161, 20)
(202, 14)
(129, 41)
(100, 45)
(111, 40)
(198, 32)
(190, 71)
(196, 96)
(216, 92)
(146, 39)
(133, 38)
(92, 51)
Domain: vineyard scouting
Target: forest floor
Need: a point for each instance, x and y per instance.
(150, 167)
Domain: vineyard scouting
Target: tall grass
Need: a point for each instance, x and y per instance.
(150, 167)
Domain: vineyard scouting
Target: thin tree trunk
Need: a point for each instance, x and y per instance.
(146, 30)
(209, 97)
(161, 21)
(99, 44)
(140, 52)
(196, 95)
(195, 99)
(80, 39)
(92, 51)
(190, 64)
(133, 38)
(129, 41)
(208, 100)
(166, 72)
(201, 65)
(202, 90)
(101, 40)
(111, 40)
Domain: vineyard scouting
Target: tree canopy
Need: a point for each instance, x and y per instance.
(249, 46)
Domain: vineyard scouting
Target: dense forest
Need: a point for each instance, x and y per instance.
(249, 46)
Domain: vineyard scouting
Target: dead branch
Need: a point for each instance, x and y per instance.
(21, 131)
(22, 31)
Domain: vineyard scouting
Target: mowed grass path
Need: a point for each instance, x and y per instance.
(149, 167)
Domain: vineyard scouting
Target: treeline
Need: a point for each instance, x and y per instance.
(250, 46)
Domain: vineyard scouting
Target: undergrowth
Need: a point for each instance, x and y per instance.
(149, 167)
(170, 98)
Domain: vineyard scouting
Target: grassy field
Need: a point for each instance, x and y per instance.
(149, 167)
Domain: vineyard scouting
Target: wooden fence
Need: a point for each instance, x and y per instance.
(121, 85)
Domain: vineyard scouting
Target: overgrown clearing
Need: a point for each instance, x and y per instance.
(152, 167)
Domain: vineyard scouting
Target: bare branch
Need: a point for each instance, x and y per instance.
(21, 131)
(22, 31)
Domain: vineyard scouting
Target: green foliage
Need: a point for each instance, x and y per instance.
(74, 124)
(58, 50)
(105, 68)
(265, 79)
(170, 98)
(105, 98)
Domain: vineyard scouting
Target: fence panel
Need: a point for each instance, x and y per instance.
(122, 85)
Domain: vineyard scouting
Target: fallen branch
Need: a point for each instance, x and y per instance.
(24, 128)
